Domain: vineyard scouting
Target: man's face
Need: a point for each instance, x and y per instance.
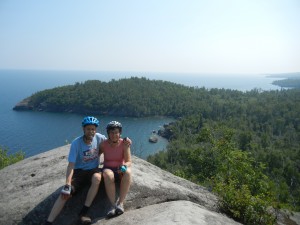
(89, 131)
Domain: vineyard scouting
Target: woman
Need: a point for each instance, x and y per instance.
(117, 166)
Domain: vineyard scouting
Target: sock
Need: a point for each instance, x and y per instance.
(84, 210)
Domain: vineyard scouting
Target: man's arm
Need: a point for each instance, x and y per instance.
(69, 174)
(67, 189)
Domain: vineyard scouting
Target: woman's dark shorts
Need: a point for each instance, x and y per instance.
(116, 171)
(82, 178)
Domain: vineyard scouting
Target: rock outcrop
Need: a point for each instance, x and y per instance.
(23, 105)
(30, 187)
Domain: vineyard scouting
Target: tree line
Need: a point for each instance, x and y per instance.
(248, 153)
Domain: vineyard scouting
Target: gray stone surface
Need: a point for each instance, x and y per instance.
(30, 187)
(175, 212)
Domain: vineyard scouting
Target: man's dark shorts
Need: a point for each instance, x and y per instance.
(82, 178)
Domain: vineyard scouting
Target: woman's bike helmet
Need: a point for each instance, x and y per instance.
(90, 120)
(112, 125)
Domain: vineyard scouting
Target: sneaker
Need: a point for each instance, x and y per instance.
(119, 209)
(85, 220)
(111, 212)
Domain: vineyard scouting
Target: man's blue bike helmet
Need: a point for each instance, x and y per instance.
(90, 120)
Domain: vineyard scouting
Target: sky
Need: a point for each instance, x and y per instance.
(182, 36)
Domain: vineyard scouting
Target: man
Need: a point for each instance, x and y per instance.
(82, 169)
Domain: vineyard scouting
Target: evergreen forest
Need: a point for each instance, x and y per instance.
(244, 146)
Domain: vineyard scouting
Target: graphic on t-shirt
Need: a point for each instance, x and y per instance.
(90, 155)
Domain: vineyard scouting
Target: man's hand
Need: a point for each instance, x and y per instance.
(66, 192)
(127, 141)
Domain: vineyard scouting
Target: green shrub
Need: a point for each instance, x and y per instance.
(8, 159)
(211, 158)
(246, 193)
(238, 202)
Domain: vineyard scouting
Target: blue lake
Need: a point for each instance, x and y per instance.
(36, 132)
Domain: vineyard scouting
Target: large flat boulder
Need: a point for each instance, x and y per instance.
(29, 189)
(174, 212)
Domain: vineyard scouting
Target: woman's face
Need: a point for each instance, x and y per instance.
(114, 135)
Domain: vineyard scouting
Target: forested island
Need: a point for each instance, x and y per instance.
(288, 83)
(245, 146)
(291, 80)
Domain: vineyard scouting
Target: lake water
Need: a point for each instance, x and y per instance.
(36, 132)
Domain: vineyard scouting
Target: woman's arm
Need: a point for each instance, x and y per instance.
(127, 155)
